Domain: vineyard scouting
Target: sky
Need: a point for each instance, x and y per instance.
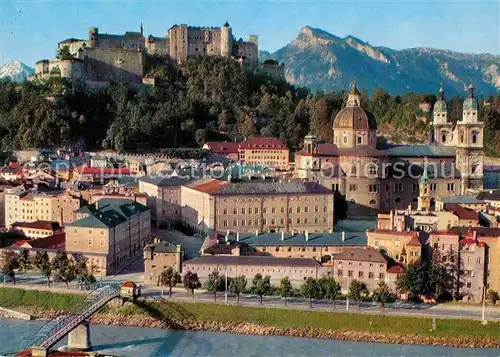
(31, 29)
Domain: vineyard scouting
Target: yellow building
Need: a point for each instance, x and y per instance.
(404, 247)
(117, 228)
(265, 151)
(27, 206)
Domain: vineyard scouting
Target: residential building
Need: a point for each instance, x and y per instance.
(296, 269)
(159, 256)
(38, 229)
(405, 247)
(267, 151)
(256, 206)
(117, 228)
(491, 197)
(226, 149)
(98, 161)
(467, 201)
(367, 265)
(31, 206)
(466, 216)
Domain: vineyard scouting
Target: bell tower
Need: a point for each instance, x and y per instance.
(424, 199)
(470, 154)
(442, 129)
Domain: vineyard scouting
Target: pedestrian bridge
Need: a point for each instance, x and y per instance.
(56, 329)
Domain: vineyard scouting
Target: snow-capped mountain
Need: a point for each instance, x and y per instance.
(16, 70)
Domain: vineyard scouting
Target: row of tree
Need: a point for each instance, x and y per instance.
(322, 288)
(205, 98)
(60, 268)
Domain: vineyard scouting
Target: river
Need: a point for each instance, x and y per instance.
(144, 342)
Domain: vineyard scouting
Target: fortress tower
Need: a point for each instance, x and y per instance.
(93, 37)
(469, 157)
(226, 39)
(443, 130)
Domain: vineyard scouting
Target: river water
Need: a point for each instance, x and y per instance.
(145, 342)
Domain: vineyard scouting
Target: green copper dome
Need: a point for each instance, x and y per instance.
(470, 104)
(440, 107)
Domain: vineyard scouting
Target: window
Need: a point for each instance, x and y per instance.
(398, 187)
(224, 211)
(433, 186)
(360, 274)
(478, 260)
(282, 209)
(373, 188)
(316, 209)
(414, 187)
(352, 187)
(340, 272)
(469, 260)
(91, 242)
(273, 210)
(102, 243)
(469, 285)
(256, 221)
(359, 140)
(243, 210)
(306, 209)
(372, 170)
(349, 273)
(397, 200)
(354, 170)
(235, 222)
(373, 202)
(256, 210)
(381, 276)
(451, 186)
(345, 138)
(370, 275)
(243, 222)
(298, 220)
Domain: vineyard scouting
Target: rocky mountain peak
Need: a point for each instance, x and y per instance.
(16, 71)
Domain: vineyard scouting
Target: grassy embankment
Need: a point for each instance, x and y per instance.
(205, 312)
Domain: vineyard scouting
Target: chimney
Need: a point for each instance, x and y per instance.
(306, 234)
(283, 235)
(237, 236)
(474, 235)
(343, 236)
(256, 232)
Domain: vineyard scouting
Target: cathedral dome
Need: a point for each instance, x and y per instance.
(470, 103)
(356, 118)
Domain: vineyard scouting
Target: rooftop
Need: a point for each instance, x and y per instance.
(492, 195)
(299, 239)
(421, 151)
(481, 231)
(55, 241)
(222, 147)
(462, 199)
(162, 247)
(361, 255)
(461, 212)
(263, 143)
(47, 225)
(254, 260)
(217, 187)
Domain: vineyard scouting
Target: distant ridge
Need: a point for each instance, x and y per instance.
(322, 61)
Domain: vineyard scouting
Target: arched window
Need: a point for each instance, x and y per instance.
(444, 134)
(373, 202)
(475, 137)
(353, 200)
(397, 200)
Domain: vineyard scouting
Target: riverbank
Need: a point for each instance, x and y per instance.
(279, 322)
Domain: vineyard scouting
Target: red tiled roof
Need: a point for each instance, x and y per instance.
(472, 241)
(461, 212)
(415, 242)
(263, 143)
(128, 284)
(47, 225)
(224, 147)
(56, 241)
(397, 269)
(211, 186)
(85, 170)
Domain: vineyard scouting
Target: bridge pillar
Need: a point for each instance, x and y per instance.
(79, 338)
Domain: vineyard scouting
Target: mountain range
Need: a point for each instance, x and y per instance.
(16, 71)
(321, 61)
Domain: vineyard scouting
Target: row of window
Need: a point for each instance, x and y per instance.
(361, 274)
(398, 187)
(273, 210)
(265, 222)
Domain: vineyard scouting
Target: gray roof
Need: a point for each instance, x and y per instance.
(462, 199)
(272, 187)
(361, 255)
(421, 151)
(162, 247)
(493, 195)
(298, 239)
(254, 260)
(481, 231)
(162, 181)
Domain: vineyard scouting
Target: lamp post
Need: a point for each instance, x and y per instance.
(483, 321)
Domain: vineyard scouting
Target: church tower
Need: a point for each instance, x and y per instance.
(443, 130)
(470, 153)
(424, 200)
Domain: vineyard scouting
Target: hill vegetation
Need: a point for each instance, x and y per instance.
(207, 98)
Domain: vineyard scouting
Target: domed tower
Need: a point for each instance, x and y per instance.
(424, 199)
(443, 130)
(226, 39)
(93, 37)
(354, 126)
(470, 144)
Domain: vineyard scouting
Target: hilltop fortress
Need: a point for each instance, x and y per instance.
(121, 58)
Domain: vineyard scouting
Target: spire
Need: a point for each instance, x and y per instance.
(142, 30)
(470, 91)
(353, 99)
(441, 92)
(354, 89)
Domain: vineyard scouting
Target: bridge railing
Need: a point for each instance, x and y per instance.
(57, 328)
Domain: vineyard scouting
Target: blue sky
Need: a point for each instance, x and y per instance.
(30, 29)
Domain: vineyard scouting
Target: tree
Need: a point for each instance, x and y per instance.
(200, 135)
(418, 279)
(285, 289)
(24, 260)
(191, 282)
(9, 264)
(311, 289)
(238, 286)
(357, 290)
(331, 289)
(213, 283)
(340, 207)
(169, 277)
(261, 285)
(66, 273)
(382, 294)
(492, 296)
(64, 52)
(42, 263)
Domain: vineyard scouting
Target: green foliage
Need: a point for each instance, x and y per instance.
(214, 283)
(261, 286)
(64, 52)
(285, 289)
(238, 286)
(24, 260)
(191, 282)
(10, 297)
(311, 289)
(382, 293)
(492, 296)
(64, 269)
(330, 289)
(9, 264)
(169, 277)
(42, 263)
(357, 290)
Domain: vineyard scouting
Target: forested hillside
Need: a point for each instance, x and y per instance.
(208, 98)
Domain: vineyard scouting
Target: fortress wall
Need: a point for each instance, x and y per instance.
(118, 65)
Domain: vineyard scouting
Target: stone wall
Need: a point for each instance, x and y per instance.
(114, 65)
